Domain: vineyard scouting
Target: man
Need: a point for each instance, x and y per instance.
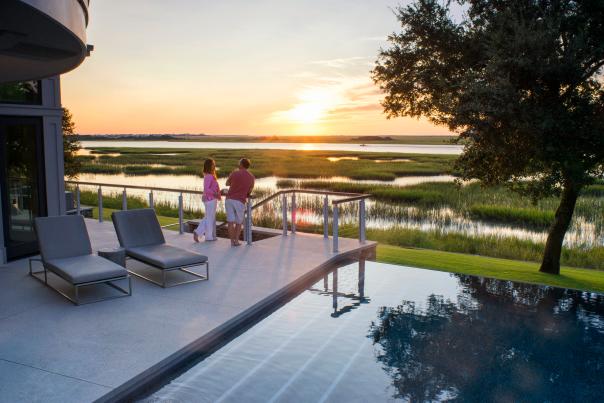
(241, 183)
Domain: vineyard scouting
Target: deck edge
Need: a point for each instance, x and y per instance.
(213, 340)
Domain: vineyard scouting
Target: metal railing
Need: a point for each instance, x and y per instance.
(100, 187)
(343, 197)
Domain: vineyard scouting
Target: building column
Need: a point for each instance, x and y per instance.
(53, 149)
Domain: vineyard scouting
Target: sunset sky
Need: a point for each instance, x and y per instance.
(262, 67)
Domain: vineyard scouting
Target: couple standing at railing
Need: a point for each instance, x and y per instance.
(240, 183)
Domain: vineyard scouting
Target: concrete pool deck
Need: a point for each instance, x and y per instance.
(53, 351)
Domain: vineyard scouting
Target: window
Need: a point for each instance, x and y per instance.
(25, 92)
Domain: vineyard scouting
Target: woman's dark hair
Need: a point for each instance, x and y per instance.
(244, 162)
(209, 167)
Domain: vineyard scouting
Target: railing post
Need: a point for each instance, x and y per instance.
(248, 222)
(326, 217)
(180, 215)
(335, 228)
(284, 214)
(362, 235)
(78, 205)
(100, 192)
(245, 224)
(124, 200)
(294, 213)
(151, 200)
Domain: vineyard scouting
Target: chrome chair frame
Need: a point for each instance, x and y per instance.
(164, 283)
(76, 299)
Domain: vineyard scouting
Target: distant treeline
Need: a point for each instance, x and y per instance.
(424, 140)
(138, 136)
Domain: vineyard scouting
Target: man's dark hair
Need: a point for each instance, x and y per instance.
(244, 162)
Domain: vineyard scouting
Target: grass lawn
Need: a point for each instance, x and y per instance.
(503, 269)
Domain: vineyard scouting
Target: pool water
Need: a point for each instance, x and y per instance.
(373, 332)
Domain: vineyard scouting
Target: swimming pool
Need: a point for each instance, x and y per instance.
(375, 332)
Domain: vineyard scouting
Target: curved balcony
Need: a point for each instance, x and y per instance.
(41, 38)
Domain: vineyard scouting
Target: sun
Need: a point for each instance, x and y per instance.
(306, 113)
(313, 106)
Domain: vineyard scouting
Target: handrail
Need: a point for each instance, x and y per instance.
(347, 197)
(351, 196)
(351, 199)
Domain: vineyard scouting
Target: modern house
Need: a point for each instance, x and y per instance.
(39, 40)
(51, 351)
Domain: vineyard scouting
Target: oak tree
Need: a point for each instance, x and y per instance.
(519, 81)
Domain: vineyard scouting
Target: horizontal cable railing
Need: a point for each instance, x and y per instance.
(151, 189)
(343, 197)
(158, 189)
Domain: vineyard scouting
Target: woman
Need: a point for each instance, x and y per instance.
(211, 195)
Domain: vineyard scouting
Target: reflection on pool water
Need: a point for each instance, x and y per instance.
(384, 332)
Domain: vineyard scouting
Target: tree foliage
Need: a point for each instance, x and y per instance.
(71, 145)
(519, 81)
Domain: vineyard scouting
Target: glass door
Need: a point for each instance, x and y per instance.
(21, 183)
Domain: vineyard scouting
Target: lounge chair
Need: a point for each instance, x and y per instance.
(65, 251)
(141, 236)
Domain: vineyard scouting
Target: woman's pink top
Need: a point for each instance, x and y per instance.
(211, 190)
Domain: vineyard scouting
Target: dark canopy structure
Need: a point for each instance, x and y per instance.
(41, 38)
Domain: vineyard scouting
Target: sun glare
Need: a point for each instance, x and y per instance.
(313, 106)
(307, 113)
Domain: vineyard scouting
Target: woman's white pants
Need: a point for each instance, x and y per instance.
(207, 226)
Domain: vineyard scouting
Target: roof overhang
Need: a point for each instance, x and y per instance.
(41, 38)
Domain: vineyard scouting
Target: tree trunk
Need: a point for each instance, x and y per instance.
(553, 246)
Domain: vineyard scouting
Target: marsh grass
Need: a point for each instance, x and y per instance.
(526, 217)
(492, 204)
(596, 190)
(283, 163)
(436, 202)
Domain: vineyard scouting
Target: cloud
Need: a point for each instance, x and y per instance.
(303, 74)
(331, 99)
(340, 63)
(375, 38)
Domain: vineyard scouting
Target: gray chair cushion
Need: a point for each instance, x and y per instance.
(84, 269)
(137, 228)
(165, 256)
(62, 237)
